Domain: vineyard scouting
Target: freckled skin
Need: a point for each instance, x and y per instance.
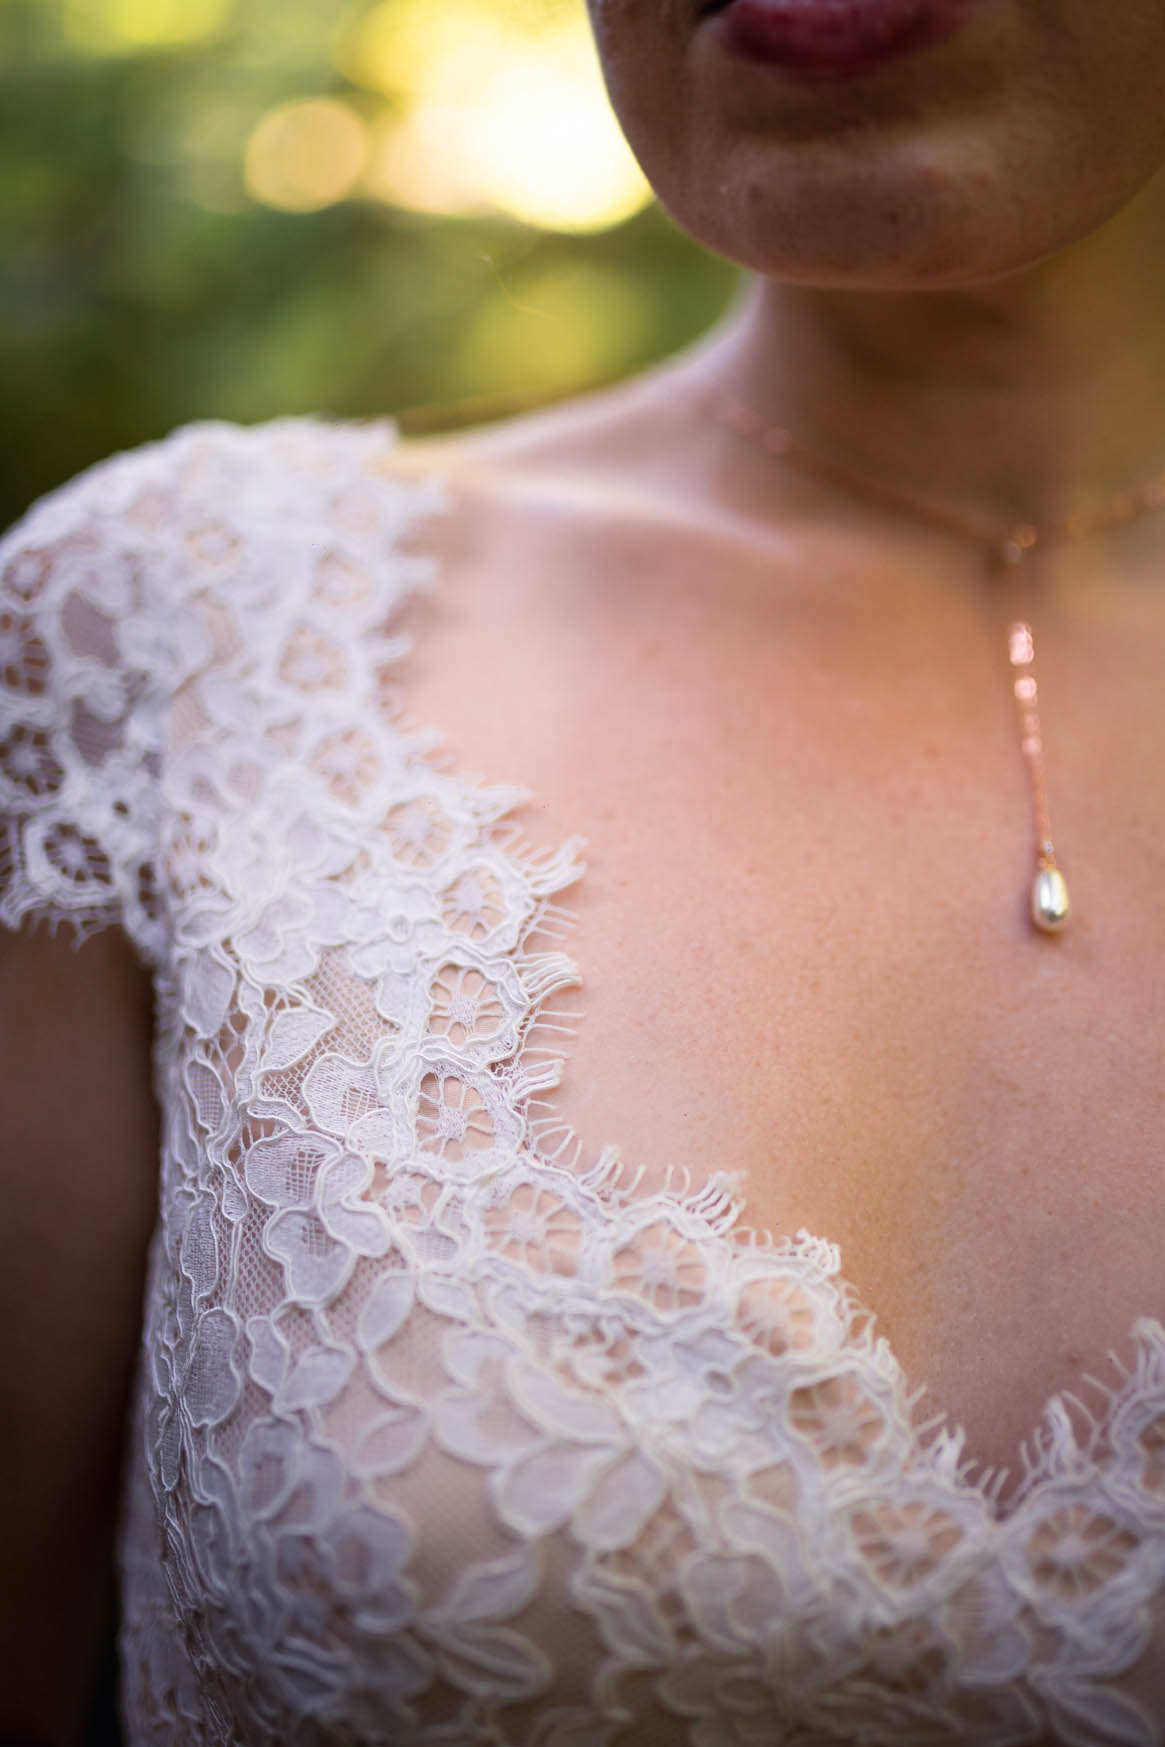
(1033, 126)
(958, 289)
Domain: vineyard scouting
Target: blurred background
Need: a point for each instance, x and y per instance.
(246, 208)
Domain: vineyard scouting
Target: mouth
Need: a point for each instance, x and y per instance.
(831, 38)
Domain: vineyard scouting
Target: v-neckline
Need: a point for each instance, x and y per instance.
(1003, 1492)
(1058, 1438)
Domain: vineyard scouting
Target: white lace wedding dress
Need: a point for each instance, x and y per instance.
(442, 1436)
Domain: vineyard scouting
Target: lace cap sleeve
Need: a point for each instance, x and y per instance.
(115, 594)
(79, 663)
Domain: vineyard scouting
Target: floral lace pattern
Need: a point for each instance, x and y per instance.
(444, 1438)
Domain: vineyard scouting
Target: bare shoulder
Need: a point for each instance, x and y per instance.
(561, 530)
(631, 451)
(577, 432)
(614, 488)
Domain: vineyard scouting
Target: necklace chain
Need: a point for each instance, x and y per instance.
(1011, 547)
(1049, 902)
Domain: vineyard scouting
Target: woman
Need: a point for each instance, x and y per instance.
(453, 1423)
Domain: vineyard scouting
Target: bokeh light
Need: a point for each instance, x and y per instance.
(307, 155)
(495, 108)
(113, 26)
(477, 107)
(242, 209)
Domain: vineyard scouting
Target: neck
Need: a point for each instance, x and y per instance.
(1026, 399)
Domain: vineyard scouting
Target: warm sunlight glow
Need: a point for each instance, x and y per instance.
(303, 156)
(112, 26)
(501, 108)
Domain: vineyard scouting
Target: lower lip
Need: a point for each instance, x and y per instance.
(824, 39)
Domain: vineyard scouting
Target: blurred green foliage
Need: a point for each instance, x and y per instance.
(141, 287)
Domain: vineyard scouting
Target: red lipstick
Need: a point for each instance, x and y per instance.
(822, 39)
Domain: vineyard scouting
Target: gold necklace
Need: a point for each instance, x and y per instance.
(1050, 906)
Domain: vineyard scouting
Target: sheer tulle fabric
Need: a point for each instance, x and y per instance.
(444, 1434)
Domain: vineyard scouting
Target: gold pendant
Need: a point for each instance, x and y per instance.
(1050, 905)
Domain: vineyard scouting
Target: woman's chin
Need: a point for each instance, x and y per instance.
(922, 209)
(888, 143)
(886, 221)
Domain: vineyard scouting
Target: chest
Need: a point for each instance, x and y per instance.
(805, 952)
(424, 1420)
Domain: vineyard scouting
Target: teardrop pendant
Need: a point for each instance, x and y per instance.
(1050, 904)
